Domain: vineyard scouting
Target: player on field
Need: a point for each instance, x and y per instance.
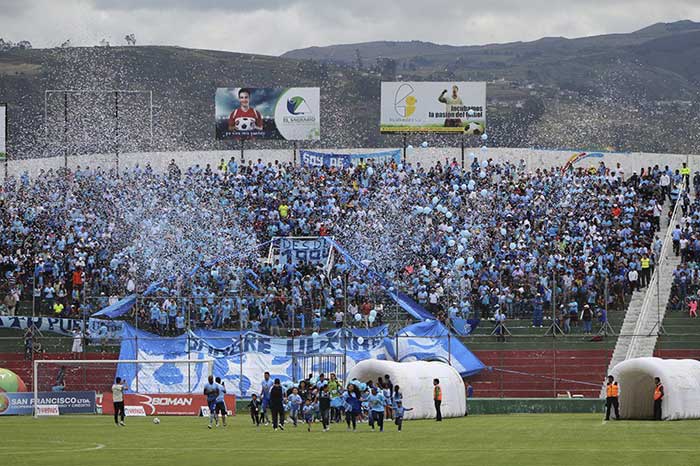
(220, 402)
(398, 414)
(267, 384)
(118, 400)
(211, 390)
(255, 410)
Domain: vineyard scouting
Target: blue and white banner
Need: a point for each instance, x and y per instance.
(67, 402)
(329, 159)
(101, 330)
(303, 250)
(43, 324)
(241, 358)
(431, 341)
(117, 309)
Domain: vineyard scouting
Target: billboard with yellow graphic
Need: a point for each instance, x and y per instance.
(435, 107)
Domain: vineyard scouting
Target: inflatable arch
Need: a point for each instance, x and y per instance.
(681, 381)
(416, 382)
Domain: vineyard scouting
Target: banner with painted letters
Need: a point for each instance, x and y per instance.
(329, 159)
(303, 251)
(99, 330)
(43, 324)
(240, 358)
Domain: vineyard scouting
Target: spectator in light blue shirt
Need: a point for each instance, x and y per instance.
(376, 404)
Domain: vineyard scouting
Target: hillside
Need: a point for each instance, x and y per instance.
(636, 92)
(665, 51)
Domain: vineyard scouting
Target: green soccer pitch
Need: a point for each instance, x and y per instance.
(515, 440)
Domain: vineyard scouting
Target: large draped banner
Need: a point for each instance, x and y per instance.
(241, 358)
(431, 341)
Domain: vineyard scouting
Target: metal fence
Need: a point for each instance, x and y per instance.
(522, 366)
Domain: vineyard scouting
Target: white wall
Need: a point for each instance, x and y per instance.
(534, 159)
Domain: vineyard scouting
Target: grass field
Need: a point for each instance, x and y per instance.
(532, 439)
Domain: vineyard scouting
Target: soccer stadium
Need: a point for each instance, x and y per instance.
(342, 254)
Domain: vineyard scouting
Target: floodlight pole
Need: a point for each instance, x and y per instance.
(242, 153)
(404, 147)
(294, 159)
(65, 132)
(34, 289)
(345, 297)
(554, 328)
(7, 157)
(462, 149)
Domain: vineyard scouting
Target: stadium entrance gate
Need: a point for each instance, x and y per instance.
(304, 364)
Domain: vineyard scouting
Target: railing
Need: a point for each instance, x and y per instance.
(525, 365)
(653, 289)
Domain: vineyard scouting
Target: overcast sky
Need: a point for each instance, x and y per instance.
(275, 26)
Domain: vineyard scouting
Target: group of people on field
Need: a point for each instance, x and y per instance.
(328, 401)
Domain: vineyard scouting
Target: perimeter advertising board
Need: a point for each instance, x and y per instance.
(67, 402)
(159, 404)
(433, 107)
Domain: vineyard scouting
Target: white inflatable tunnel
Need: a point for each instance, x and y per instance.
(416, 384)
(681, 381)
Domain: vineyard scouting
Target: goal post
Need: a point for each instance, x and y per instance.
(91, 371)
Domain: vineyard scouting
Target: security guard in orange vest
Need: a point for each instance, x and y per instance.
(612, 392)
(437, 397)
(658, 398)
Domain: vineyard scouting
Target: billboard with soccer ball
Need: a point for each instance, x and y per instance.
(3, 131)
(433, 107)
(268, 113)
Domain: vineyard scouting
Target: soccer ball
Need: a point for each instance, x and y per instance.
(245, 124)
(474, 128)
(156, 420)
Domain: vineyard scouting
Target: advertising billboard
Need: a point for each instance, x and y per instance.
(268, 113)
(3, 131)
(67, 402)
(433, 107)
(158, 404)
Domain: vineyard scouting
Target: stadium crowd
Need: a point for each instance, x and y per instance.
(492, 239)
(686, 245)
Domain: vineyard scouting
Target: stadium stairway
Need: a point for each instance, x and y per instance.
(647, 308)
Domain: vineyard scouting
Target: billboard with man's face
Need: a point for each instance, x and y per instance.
(268, 113)
(433, 107)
